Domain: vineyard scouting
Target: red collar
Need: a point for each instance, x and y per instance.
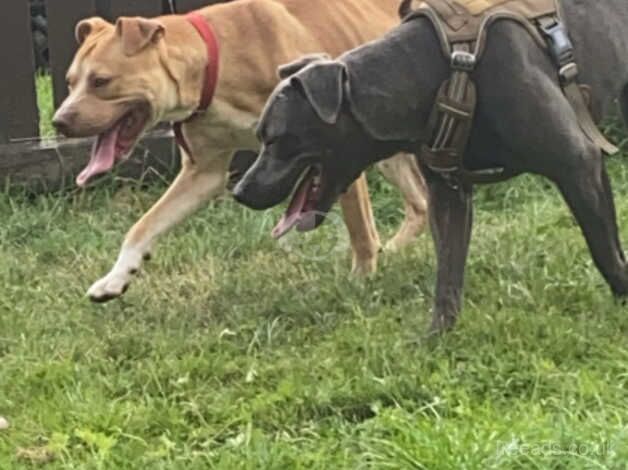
(213, 58)
(206, 31)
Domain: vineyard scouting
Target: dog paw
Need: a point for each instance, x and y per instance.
(108, 288)
(441, 324)
(364, 267)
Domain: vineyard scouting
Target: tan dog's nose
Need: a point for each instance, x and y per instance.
(62, 122)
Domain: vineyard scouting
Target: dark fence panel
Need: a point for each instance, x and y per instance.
(62, 18)
(4, 117)
(18, 99)
(52, 164)
(112, 9)
(184, 6)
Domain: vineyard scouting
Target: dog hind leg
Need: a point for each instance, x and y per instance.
(358, 217)
(587, 191)
(403, 172)
(193, 187)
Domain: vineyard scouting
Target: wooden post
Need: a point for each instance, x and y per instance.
(18, 100)
(63, 15)
(53, 165)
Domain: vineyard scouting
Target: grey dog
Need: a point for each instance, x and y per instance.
(329, 120)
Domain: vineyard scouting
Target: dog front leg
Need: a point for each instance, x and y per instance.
(358, 216)
(193, 187)
(403, 172)
(451, 219)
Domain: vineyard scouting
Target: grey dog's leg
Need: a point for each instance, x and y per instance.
(587, 191)
(451, 218)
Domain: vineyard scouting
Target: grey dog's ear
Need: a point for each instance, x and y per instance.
(406, 8)
(284, 71)
(323, 85)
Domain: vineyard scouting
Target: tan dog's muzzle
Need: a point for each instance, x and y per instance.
(87, 116)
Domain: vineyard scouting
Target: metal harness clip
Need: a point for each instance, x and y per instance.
(560, 46)
(463, 61)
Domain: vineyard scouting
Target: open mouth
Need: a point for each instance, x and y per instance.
(115, 144)
(301, 212)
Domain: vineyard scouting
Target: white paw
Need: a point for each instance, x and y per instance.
(109, 287)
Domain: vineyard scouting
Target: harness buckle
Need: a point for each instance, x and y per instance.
(451, 175)
(560, 46)
(463, 61)
(568, 73)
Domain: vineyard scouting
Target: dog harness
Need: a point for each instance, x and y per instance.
(462, 27)
(208, 34)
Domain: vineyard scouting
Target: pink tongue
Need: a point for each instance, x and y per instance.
(294, 212)
(103, 156)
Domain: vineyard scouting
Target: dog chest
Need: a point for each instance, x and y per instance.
(229, 128)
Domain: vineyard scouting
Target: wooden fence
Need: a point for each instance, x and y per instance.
(50, 164)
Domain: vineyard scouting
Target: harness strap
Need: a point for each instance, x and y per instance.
(207, 33)
(452, 115)
(452, 120)
(574, 95)
(562, 52)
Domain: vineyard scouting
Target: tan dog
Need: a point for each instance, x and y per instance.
(130, 76)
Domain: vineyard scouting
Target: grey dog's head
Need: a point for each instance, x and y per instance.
(312, 145)
(327, 121)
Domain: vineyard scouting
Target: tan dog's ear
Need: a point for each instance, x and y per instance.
(87, 27)
(138, 33)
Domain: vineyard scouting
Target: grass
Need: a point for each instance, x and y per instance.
(45, 103)
(232, 351)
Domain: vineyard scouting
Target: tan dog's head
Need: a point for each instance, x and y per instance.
(119, 87)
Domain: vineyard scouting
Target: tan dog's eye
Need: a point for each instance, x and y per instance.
(100, 82)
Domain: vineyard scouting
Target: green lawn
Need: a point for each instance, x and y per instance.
(44, 101)
(232, 351)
